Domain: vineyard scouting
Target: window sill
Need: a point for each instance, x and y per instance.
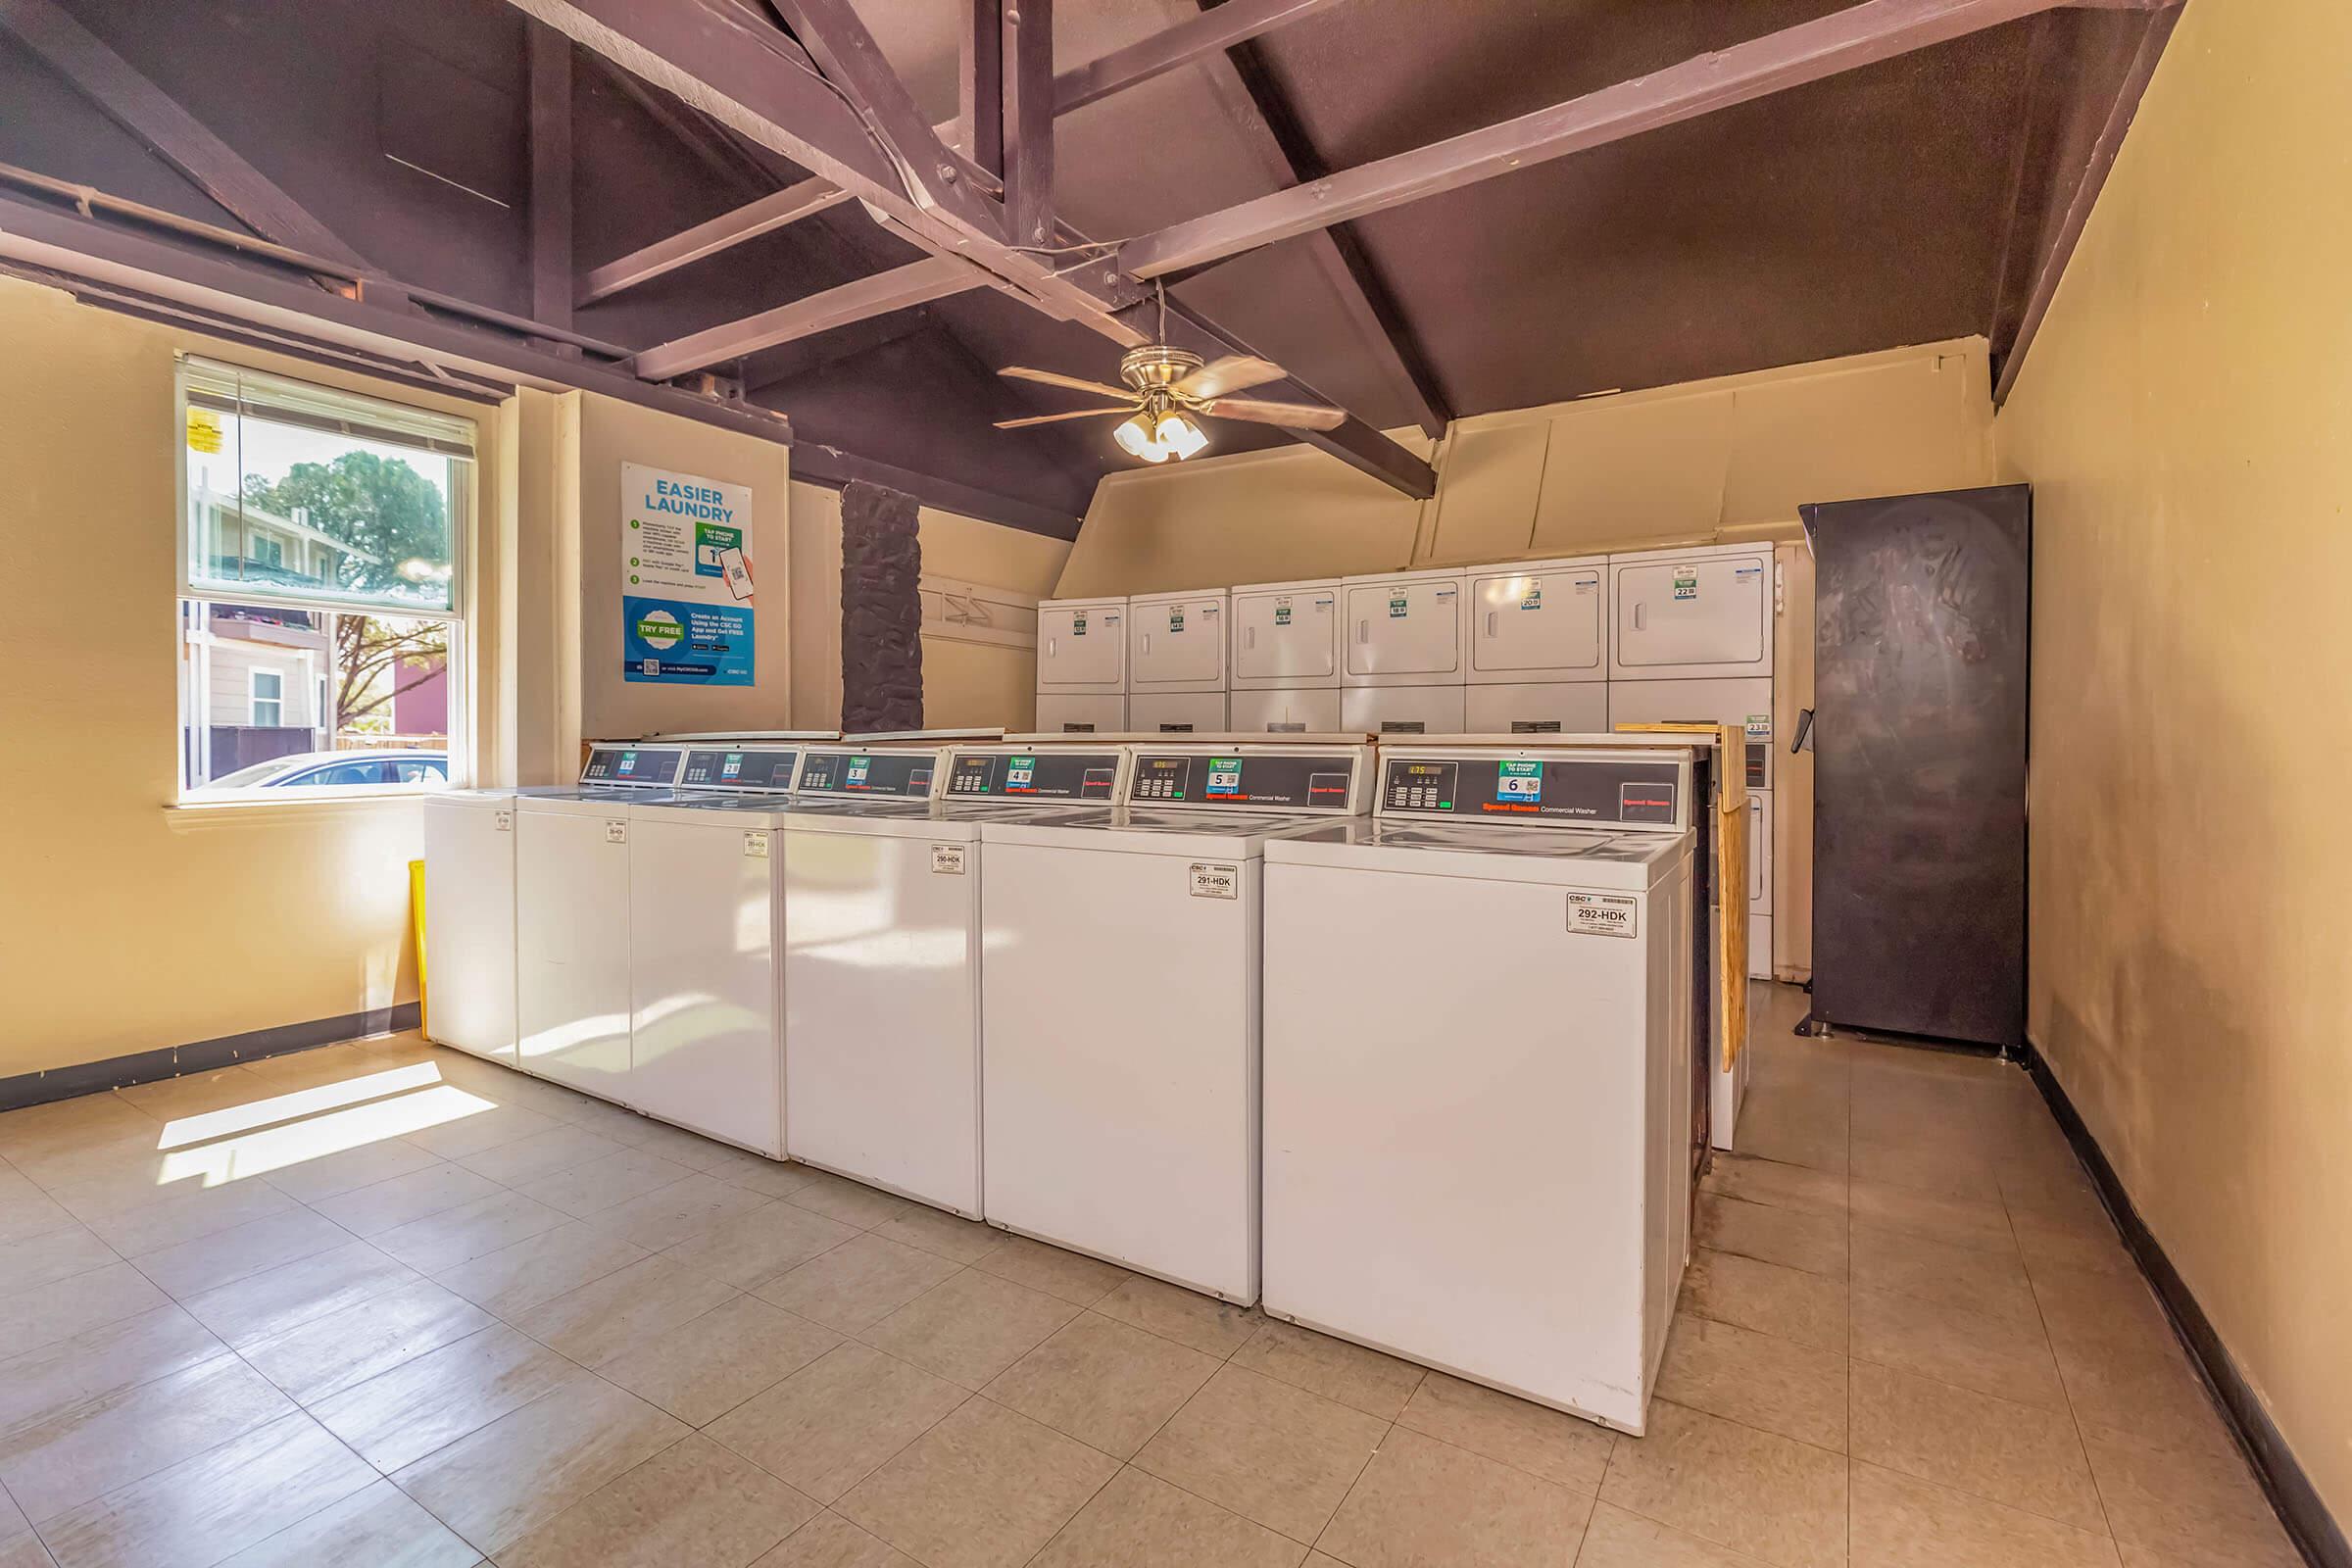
(193, 816)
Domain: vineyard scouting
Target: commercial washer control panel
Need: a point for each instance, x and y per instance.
(1257, 778)
(1034, 775)
(647, 766)
(881, 774)
(747, 771)
(1563, 788)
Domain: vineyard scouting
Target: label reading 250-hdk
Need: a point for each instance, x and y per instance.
(1603, 914)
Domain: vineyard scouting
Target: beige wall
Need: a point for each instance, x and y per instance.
(127, 925)
(2183, 419)
(1669, 466)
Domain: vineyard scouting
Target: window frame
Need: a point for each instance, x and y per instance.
(254, 698)
(195, 596)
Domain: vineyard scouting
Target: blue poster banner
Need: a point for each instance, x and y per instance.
(673, 640)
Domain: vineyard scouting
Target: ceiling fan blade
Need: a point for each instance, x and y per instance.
(1055, 418)
(1022, 372)
(1232, 373)
(1297, 415)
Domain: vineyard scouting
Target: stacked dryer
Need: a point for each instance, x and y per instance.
(1082, 666)
(1176, 663)
(1406, 639)
(1538, 649)
(1285, 657)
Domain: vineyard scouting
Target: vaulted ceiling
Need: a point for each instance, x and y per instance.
(1918, 197)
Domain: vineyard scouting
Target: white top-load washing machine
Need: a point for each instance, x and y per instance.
(572, 916)
(705, 932)
(1538, 649)
(882, 873)
(1479, 1050)
(1119, 1004)
(1405, 640)
(1285, 657)
(1082, 665)
(469, 921)
(1176, 663)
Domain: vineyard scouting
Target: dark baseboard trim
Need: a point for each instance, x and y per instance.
(2308, 1521)
(203, 1056)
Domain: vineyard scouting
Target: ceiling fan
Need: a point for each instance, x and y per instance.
(1166, 388)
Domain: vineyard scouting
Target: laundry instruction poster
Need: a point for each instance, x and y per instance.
(686, 578)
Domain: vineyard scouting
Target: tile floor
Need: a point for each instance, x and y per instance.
(382, 1305)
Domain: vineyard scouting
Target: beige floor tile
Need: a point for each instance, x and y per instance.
(197, 1094)
(483, 1131)
(214, 1504)
(1208, 1325)
(49, 1382)
(1754, 1492)
(1962, 1221)
(1931, 1164)
(685, 1208)
(1740, 1375)
(2070, 1242)
(1902, 1522)
(1793, 1237)
(441, 1241)
(374, 1210)
(2123, 1367)
(857, 1283)
(433, 1400)
(1950, 1343)
(345, 1349)
(753, 1248)
(707, 1367)
(71, 1248)
(192, 1268)
(1616, 1538)
(63, 1308)
(1769, 1297)
(597, 1116)
(773, 1178)
(2012, 1453)
(602, 1183)
(1366, 1380)
(1561, 1449)
(377, 1526)
(346, 1170)
(986, 1488)
(516, 1278)
(2197, 1506)
(965, 1241)
(561, 1148)
(81, 1453)
(1989, 1283)
(178, 1214)
(1140, 1521)
(1806, 1129)
(837, 1420)
(1766, 1181)
(692, 1504)
(970, 1327)
(1105, 1382)
(691, 1150)
(500, 1483)
(829, 1541)
(1269, 1452)
(1425, 1502)
(601, 1319)
(26, 1211)
(1073, 1276)
(850, 1202)
(70, 1165)
(24, 1551)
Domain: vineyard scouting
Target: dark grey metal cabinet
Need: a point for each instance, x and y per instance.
(1919, 734)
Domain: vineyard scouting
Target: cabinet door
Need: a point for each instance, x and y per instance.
(1177, 642)
(1081, 645)
(1286, 636)
(1713, 611)
(1529, 622)
(1405, 628)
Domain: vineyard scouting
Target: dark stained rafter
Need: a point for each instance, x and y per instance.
(1025, 107)
(551, 175)
(728, 229)
(1204, 36)
(1845, 41)
(900, 288)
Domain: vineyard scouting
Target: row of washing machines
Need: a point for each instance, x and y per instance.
(1539, 647)
(1403, 1042)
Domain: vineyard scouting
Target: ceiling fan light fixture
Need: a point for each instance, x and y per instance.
(1179, 436)
(1137, 436)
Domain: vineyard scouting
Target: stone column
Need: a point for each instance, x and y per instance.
(881, 611)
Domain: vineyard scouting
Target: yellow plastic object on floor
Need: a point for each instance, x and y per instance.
(424, 1017)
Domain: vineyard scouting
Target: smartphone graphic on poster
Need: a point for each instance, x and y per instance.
(738, 570)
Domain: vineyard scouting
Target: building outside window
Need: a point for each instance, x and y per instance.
(322, 622)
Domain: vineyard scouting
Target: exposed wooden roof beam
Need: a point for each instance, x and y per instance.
(916, 283)
(1845, 41)
(551, 175)
(1208, 33)
(728, 229)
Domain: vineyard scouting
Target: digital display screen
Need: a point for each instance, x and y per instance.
(765, 772)
(1034, 776)
(896, 775)
(631, 765)
(1264, 783)
(1589, 789)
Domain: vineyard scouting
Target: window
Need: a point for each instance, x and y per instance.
(268, 699)
(322, 610)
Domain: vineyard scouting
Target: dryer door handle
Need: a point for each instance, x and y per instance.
(1363, 629)
(1641, 616)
